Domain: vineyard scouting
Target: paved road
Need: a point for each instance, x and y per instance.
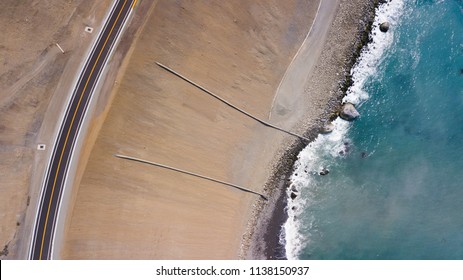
(57, 169)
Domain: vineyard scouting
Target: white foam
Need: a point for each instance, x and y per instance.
(326, 147)
(311, 160)
(372, 54)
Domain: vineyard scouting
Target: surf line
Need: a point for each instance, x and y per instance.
(189, 173)
(230, 104)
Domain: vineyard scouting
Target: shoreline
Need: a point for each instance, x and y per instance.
(265, 227)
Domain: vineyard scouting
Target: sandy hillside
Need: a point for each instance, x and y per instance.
(127, 210)
(34, 83)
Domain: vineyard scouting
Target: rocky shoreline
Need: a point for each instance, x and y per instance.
(349, 32)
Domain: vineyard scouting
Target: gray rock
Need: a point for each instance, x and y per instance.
(324, 172)
(293, 195)
(327, 128)
(348, 112)
(384, 27)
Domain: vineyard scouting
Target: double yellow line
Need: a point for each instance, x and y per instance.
(72, 122)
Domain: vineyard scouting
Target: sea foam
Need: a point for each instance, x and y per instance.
(325, 148)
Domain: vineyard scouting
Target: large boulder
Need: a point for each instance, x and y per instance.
(384, 27)
(348, 112)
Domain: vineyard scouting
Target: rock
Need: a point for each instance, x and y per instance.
(324, 171)
(384, 27)
(327, 128)
(345, 150)
(348, 112)
(293, 195)
(346, 147)
(364, 154)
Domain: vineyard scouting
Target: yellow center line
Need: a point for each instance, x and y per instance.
(134, 3)
(69, 130)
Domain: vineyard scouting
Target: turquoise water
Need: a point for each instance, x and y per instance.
(395, 187)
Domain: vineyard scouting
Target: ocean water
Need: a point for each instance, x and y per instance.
(395, 183)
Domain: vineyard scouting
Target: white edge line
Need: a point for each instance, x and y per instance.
(58, 131)
(84, 119)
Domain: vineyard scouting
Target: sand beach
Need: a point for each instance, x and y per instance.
(129, 210)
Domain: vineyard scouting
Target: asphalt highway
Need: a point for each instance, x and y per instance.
(41, 247)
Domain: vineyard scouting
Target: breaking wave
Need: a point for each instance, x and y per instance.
(322, 153)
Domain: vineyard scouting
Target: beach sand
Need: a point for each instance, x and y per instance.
(240, 51)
